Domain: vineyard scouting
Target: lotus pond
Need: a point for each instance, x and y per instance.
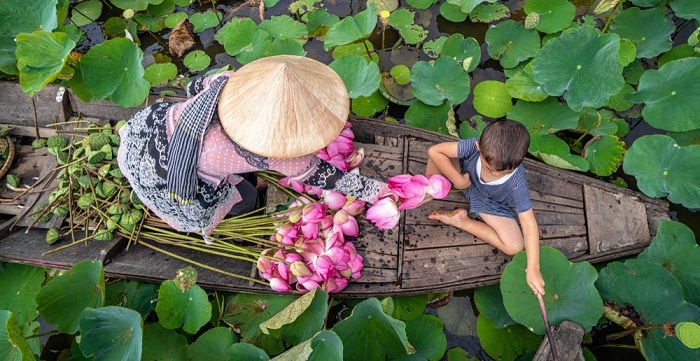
(606, 88)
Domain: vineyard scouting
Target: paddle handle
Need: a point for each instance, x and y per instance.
(543, 310)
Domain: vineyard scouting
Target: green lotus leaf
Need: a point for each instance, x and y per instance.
(491, 99)
(245, 351)
(492, 338)
(136, 5)
(669, 95)
(351, 28)
(370, 334)
(401, 74)
(359, 49)
(510, 43)
(111, 333)
(686, 138)
(402, 20)
(285, 47)
(16, 17)
(160, 74)
(113, 70)
(383, 5)
(189, 309)
(205, 20)
(452, 12)
(678, 52)
(604, 153)
(675, 249)
(246, 312)
(369, 106)
(554, 151)
(628, 52)
(660, 166)
(421, 4)
(242, 38)
(555, 15)
(360, 77)
(162, 344)
(62, 301)
(86, 12)
(581, 64)
(284, 27)
(648, 29)
(7, 55)
(196, 60)
(489, 302)
(408, 308)
(472, 128)
(619, 101)
(458, 317)
(465, 51)
(442, 80)
(396, 93)
(688, 333)
(212, 345)
(324, 346)
(428, 117)
(645, 3)
(427, 337)
(114, 27)
(161, 8)
(134, 295)
(488, 13)
(466, 6)
(300, 320)
(628, 284)
(633, 72)
(173, 19)
(40, 58)
(25, 282)
(559, 116)
(597, 122)
(13, 346)
(319, 21)
(686, 9)
(522, 85)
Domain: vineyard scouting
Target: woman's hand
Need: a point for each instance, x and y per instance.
(535, 281)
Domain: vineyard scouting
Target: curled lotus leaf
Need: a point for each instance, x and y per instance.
(555, 15)
(670, 95)
(402, 20)
(582, 65)
(554, 151)
(510, 43)
(442, 80)
(301, 319)
(13, 345)
(559, 116)
(324, 346)
(570, 293)
(396, 93)
(522, 85)
(491, 99)
(628, 284)
(598, 122)
(351, 28)
(648, 29)
(463, 50)
(427, 336)
(660, 166)
(40, 57)
(686, 9)
(247, 311)
(361, 78)
(604, 153)
(520, 339)
(111, 333)
(488, 13)
(674, 248)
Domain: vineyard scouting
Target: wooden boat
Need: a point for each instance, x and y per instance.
(585, 218)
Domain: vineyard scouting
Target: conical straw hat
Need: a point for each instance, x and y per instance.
(284, 106)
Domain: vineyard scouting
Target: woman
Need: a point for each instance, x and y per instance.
(184, 159)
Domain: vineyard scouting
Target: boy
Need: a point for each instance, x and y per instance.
(490, 171)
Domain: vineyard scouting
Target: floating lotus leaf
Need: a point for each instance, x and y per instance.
(488, 13)
(162, 344)
(300, 320)
(284, 27)
(669, 95)
(173, 19)
(402, 20)
(160, 74)
(319, 21)
(661, 168)
(421, 4)
(491, 99)
(604, 153)
(62, 301)
(619, 101)
(570, 294)
(246, 312)
(472, 128)
(465, 51)
(466, 6)
(629, 284)
(493, 339)
(428, 117)
(324, 346)
(370, 334)
(360, 77)
(369, 106)
(111, 333)
(489, 302)
(136, 5)
(427, 336)
(25, 281)
(688, 333)
(205, 20)
(285, 47)
(359, 49)
(648, 29)
(134, 295)
(86, 12)
(522, 85)
(212, 345)
(188, 309)
(395, 93)
(458, 317)
(161, 8)
(40, 58)
(555, 15)
(351, 28)
(645, 3)
(242, 38)
(554, 151)
(452, 12)
(409, 308)
(559, 116)
(677, 52)
(196, 60)
(152, 23)
(686, 138)
(13, 346)
(16, 17)
(583, 65)
(628, 52)
(675, 249)
(686, 9)
(401, 74)
(510, 43)
(442, 80)
(245, 351)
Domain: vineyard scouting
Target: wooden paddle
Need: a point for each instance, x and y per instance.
(555, 357)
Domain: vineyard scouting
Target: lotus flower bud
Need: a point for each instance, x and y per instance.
(300, 269)
(355, 158)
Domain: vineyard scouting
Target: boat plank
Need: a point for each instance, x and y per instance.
(419, 216)
(554, 199)
(538, 182)
(571, 247)
(17, 108)
(564, 230)
(374, 275)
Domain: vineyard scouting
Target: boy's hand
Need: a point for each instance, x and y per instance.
(535, 281)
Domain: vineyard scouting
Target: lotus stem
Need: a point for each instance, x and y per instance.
(89, 237)
(615, 336)
(543, 310)
(608, 21)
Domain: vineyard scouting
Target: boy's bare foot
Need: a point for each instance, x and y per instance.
(454, 217)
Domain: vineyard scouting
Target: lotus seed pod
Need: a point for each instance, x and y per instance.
(532, 20)
(52, 236)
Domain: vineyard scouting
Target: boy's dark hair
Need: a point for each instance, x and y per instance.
(504, 144)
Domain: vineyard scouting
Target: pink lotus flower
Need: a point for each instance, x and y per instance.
(279, 285)
(335, 285)
(439, 186)
(354, 206)
(346, 223)
(355, 158)
(334, 200)
(384, 214)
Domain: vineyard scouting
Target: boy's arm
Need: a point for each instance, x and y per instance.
(442, 155)
(531, 238)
